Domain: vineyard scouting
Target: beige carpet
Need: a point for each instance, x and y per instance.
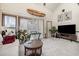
(57, 47)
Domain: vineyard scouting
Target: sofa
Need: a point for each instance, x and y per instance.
(11, 49)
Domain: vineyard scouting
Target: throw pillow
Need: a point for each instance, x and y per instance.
(9, 39)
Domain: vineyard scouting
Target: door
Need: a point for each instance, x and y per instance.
(48, 26)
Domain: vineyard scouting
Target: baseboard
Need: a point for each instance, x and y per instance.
(76, 41)
(72, 40)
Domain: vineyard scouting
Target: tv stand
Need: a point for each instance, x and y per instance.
(71, 37)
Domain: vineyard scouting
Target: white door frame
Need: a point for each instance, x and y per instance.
(47, 27)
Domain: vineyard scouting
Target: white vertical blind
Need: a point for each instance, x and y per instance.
(33, 25)
(10, 21)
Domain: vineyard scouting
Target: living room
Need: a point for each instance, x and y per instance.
(39, 19)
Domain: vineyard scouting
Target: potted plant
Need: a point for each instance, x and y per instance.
(53, 31)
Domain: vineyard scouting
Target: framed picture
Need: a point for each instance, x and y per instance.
(65, 16)
(68, 15)
(60, 17)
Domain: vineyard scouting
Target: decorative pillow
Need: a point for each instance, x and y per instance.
(1, 39)
(9, 39)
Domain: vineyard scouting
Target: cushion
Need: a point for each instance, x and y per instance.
(8, 39)
(1, 39)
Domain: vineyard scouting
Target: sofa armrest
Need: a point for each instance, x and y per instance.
(15, 43)
(11, 49)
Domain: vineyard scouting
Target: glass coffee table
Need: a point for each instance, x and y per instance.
(34, 46)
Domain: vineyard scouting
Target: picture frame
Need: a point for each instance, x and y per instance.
(68, 15)
(60, 18)
(64, 17)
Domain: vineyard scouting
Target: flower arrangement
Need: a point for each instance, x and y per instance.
(22, 36)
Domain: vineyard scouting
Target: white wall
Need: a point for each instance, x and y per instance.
(0, 14)
(68, 7)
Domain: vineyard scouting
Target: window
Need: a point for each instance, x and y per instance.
(29, 24)
(9, 21)
(23, 24)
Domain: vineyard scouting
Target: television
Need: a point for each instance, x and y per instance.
(69, 29)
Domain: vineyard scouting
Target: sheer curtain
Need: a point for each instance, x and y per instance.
(33, 25)
(23, 24)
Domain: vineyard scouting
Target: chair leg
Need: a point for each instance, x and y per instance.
(25, 52)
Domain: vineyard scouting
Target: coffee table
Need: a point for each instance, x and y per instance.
(33, 46)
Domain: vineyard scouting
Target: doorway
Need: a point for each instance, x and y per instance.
(48, 26)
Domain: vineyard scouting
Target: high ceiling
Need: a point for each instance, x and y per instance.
(21, 8)
(50, 6)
